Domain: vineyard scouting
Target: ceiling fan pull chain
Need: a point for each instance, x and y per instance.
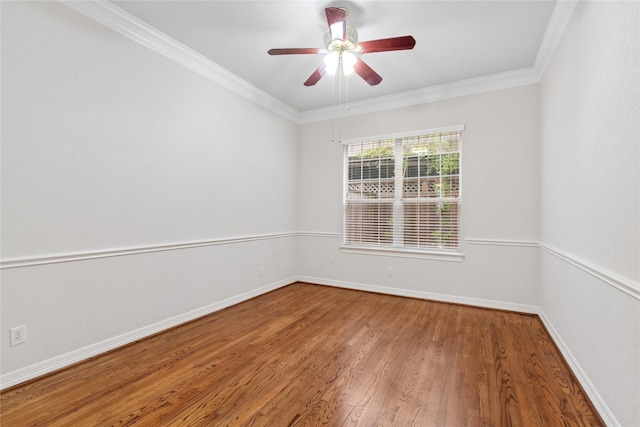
(333, 112)
(347, 93)
(340, 96)
(339, 73)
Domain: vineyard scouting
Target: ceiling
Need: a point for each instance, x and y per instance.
(455, 41)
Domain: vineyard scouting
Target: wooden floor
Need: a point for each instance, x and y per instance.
(308, 355)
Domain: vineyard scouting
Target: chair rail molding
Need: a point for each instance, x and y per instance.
(502, 242)
(108, 253)
(623, 284)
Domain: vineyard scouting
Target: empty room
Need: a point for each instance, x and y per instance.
(301, 213)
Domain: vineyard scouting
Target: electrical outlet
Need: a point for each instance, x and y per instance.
(261, 270)
(18, 334)
(330, 260)
(390, 272)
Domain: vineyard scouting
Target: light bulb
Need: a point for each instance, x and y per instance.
(336, 30)
(331, 61)
(348, 62)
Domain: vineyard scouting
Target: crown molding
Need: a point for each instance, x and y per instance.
(555, 30)
(139, 31)
(460, 88)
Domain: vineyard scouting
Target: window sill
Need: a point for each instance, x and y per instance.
(404, 253)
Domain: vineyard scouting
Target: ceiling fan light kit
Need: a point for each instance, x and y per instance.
(342, 49)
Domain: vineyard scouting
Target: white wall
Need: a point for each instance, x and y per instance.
(109, 146)
(499, 202)
(115, 161)
(590, 200)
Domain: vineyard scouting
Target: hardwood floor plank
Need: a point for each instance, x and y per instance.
(309, 355)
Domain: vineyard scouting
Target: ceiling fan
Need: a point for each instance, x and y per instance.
(342, 46)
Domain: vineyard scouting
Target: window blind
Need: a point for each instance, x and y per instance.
(404, 192)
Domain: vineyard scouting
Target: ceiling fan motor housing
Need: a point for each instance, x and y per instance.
(350, 44)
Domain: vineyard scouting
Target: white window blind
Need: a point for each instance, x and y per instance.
(404, 193)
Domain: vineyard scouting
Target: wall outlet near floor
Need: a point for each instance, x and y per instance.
(390, 272)
(18, 334)
(261, 270)
(330, 260)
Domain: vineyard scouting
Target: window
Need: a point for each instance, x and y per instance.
(403, 193)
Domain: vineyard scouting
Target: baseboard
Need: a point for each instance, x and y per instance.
(48, 366)
(500, 305)
(56, 363)
(581, 376)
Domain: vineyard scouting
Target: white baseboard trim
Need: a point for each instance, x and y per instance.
(48, 366)
(500, 305)
(581, 376)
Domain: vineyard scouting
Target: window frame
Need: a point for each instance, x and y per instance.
(455, 255)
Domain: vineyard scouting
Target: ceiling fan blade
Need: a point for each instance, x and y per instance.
(337, 20)
(316, 76)
(294, 51)
(385, 45)
(367, 73)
